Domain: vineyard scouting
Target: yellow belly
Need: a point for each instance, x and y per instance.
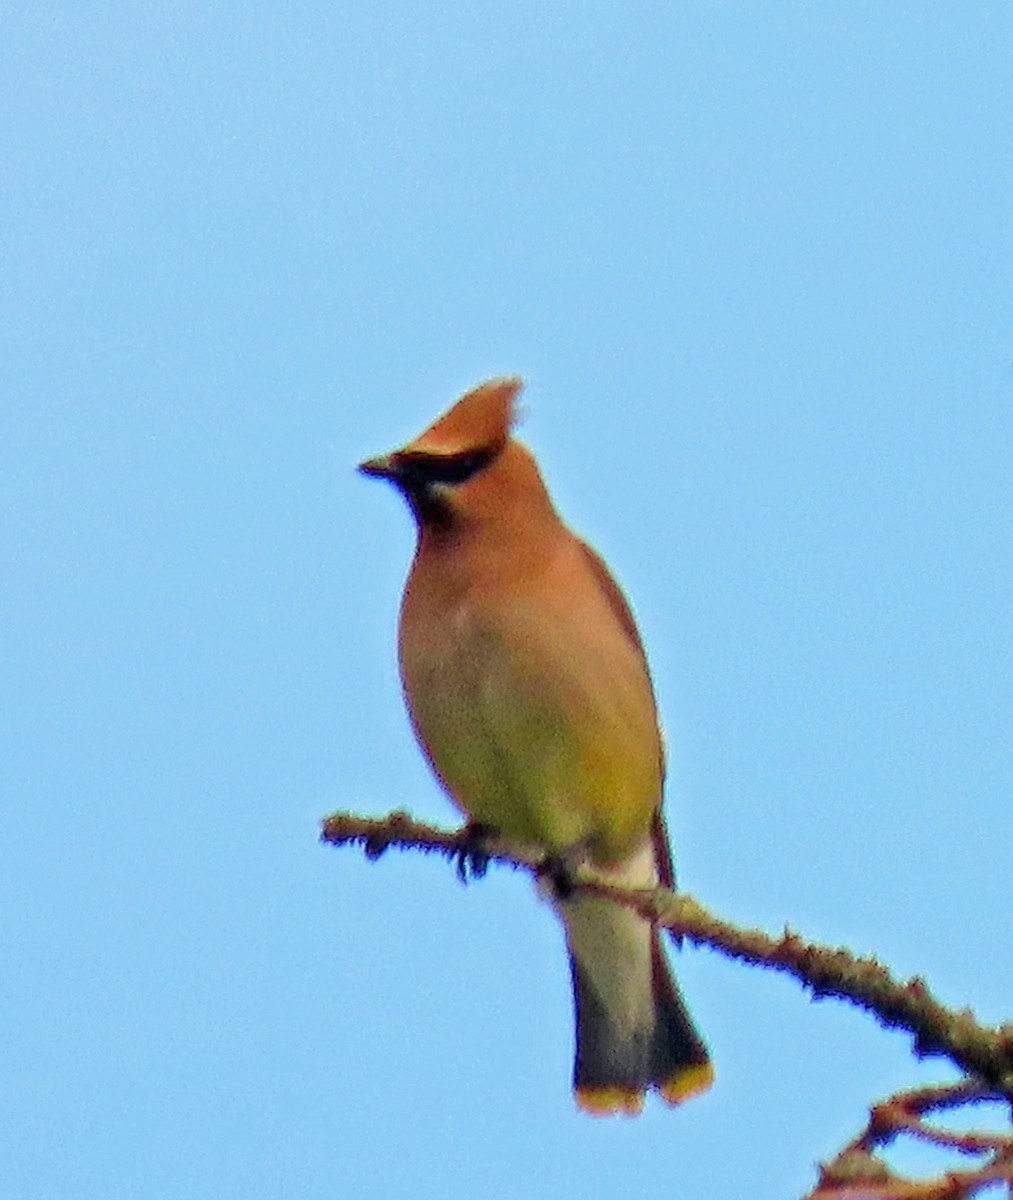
(547, 743)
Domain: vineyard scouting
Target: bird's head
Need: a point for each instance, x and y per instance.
(439, 471)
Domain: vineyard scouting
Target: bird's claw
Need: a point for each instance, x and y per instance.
(472, 856)
(554, 872)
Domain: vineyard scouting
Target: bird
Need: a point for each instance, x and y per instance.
(529, 693)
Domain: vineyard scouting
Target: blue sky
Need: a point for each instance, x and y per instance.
(754, 263)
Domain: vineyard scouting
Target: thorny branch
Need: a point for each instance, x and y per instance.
(983, 1053)
(858, 1172)
(976, 1049)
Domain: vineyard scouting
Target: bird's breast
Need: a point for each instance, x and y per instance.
(539, 724)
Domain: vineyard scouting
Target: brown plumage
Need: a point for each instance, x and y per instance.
(529, 692)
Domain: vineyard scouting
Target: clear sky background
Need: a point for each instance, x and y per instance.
(755, 264)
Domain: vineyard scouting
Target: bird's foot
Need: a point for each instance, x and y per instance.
(558, 869)
(473, 855)
(555, 876)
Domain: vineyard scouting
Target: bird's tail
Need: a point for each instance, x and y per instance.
(634, 1032)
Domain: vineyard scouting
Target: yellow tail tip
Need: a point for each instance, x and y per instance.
(629, 1101)
(688, 1082)
(608, 1101)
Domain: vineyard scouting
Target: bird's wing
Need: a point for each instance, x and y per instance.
(662, 851)
(614, 596)
(624, 615)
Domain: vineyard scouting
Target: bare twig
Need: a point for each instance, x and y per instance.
(978, 1050)
(984, 1054)
(857, 1171)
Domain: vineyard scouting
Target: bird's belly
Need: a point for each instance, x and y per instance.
(558, 758)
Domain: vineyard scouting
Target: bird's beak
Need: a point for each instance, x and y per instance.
(384, 466)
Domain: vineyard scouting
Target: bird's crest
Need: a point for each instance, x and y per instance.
(480, 420)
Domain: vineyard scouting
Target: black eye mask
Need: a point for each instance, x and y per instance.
(421, 470)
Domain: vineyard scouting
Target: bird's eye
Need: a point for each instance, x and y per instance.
(450, 468)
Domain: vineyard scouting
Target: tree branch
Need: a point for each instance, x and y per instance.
(859, 1172)
(978, 1050)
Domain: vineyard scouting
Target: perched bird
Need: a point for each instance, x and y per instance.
(529, 692)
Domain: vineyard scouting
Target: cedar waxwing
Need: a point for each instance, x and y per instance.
(529, 692)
